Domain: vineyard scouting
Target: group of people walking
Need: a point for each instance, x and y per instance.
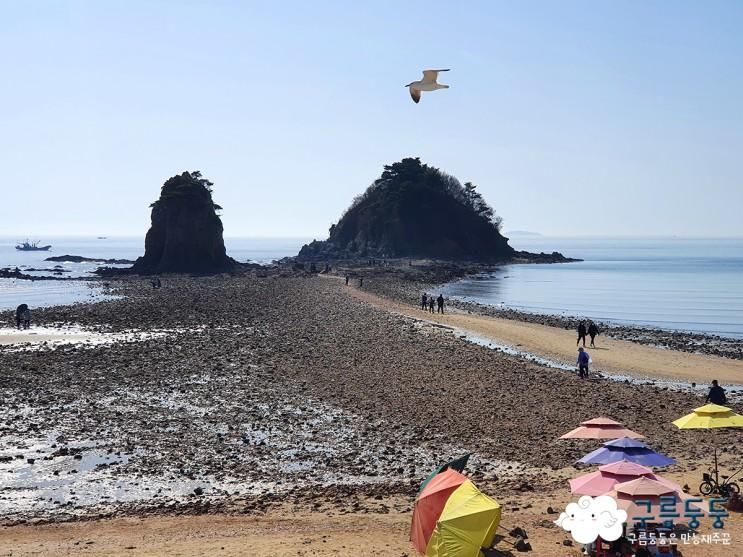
(429, 302)
(591, 329)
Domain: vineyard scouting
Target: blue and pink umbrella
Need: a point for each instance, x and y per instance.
(626, 449)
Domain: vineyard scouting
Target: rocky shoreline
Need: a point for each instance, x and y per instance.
(283, 387)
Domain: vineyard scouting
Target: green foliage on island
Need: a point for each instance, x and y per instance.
(190, 187)
(415, 210)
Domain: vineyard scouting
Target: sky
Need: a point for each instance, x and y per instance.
(573, 117)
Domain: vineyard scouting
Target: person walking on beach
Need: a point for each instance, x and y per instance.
(440, 301)
(583, 359)
(716, 394)
(346, 280)
(424, 302)
(361, 282)
(593, 332)
(431, 303)
(581, 333)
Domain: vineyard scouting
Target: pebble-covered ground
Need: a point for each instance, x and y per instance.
(284, 387)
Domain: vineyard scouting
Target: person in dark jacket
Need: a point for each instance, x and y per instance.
(716, 394)
(440, 301)
(20, 313)
(424, 302)
(431, 303)
(583, 360)
(593, 332)
(581, 333)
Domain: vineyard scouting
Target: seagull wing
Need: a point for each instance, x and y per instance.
(415, 94)
(431, 75)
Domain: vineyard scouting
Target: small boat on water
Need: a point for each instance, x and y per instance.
(31, 246)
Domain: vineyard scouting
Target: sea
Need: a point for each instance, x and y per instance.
(683, 284)
(46, 293)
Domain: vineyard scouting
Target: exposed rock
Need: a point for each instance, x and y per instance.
(81, 259)
(17, 274)
(186, 232)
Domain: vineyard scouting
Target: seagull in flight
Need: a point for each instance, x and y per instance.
(428, 83)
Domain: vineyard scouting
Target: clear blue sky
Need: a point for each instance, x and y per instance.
(573, 118)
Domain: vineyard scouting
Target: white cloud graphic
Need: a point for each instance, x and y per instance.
(591, 517)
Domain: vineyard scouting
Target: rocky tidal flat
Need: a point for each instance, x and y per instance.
(282, 388)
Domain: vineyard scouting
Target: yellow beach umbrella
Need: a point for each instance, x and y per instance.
(467, 523)
(710, 416)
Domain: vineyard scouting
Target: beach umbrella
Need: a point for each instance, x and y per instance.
(633, 497)
(601, 428)
(430, 503)
(626, 449)
(452, 518)
(710, 416)
(636, 506)
(610, 475)
(457, 464)
(643, 486)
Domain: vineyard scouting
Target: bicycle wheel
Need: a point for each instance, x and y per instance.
(706, 488)
(732, 487)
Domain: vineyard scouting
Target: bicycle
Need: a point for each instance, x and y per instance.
(712, 485)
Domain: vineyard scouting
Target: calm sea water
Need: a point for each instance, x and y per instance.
(679, 284)
(45, 293)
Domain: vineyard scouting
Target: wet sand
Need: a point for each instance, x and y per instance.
(614, 356)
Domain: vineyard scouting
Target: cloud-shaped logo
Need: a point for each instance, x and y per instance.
(591, 517)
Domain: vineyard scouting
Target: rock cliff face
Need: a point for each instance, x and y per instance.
(186, 232)
(414, 210)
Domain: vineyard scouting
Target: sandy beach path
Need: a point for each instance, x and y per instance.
(614, 356)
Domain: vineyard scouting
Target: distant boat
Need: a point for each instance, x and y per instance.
(31, 246)
(101, 237)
